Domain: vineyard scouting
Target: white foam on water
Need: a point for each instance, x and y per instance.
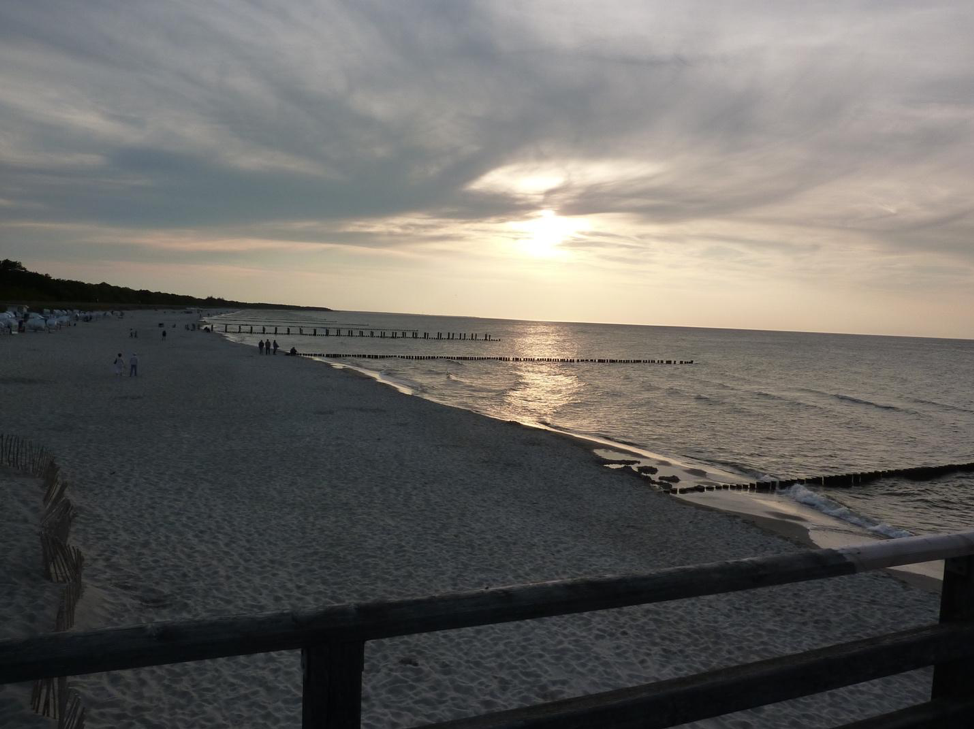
(825, 505)
(400, 384)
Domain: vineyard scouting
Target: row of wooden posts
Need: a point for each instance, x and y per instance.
(842, 480)
(565, 360)
(62, 563)
(368, 332)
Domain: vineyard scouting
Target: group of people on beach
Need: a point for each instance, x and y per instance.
(119, 364)
(266, 347)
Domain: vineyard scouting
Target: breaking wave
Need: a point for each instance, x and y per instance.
(825, 505)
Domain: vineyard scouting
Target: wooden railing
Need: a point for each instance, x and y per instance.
(332, 643)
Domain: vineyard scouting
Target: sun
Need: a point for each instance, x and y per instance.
(545, 233)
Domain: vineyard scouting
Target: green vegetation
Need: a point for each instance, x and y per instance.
(20, 286)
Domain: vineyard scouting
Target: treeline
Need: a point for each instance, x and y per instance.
(20, 286)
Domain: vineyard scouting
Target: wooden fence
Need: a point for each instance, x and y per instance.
(61, 562)
(332, 643)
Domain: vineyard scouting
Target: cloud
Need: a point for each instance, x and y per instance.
(735, 133)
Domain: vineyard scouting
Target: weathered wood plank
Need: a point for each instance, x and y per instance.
(179, 641)
(714, 693)
(332, 685)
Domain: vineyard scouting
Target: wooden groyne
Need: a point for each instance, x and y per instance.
(841, 480)
(563, 360)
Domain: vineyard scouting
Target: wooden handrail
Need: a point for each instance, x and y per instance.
(714, 693)
(332, 638)
(153, 644)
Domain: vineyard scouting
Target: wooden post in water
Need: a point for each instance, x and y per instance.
(332, 685)
(953, 678)
(251, 328)
(275, 330)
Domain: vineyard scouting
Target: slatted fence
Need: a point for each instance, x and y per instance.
(61, 562)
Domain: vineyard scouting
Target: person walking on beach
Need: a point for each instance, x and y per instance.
(275, 346)
(267, 346)
(164, 335)
(260, 345)
(119, 365)
(134, 365)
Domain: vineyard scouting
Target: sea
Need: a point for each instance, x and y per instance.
(759, 404)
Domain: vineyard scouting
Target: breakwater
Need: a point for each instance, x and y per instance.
(842, 480)
(564, 360)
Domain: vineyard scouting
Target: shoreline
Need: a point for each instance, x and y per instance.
(796, 523)
(218, 483)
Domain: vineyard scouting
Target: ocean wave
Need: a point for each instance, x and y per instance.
(820, 503)
(732, 466)
(945, 406)
(860, 401)
(790, 401)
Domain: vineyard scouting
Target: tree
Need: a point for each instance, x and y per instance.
(8, 266)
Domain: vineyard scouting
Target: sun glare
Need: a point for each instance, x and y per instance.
(545, 233)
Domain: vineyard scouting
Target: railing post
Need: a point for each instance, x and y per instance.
(954, 678)
(332, 685)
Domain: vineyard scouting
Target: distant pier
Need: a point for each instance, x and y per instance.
(364, 332)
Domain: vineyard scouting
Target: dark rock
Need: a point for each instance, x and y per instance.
(648, 469)
(671, 479)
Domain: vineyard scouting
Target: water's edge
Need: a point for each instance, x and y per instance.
(773, 513)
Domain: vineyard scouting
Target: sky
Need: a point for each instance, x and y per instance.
(762, 165)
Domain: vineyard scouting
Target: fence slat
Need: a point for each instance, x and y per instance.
(332, 685)
(714, 693)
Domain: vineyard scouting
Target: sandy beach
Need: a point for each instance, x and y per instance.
(220, 482)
